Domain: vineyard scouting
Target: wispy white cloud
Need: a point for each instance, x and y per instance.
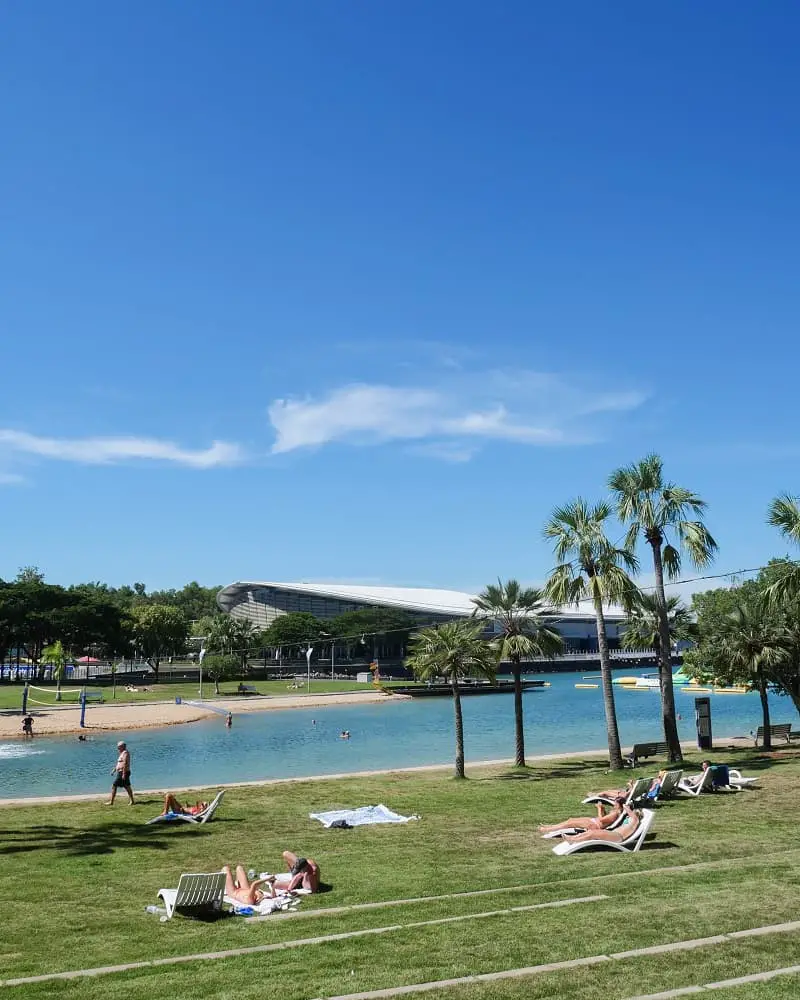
(12, 479)
(453, 417)
(114, 450)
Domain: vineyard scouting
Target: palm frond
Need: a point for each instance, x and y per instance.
(784, 514)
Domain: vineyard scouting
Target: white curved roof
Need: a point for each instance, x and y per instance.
(424, 599)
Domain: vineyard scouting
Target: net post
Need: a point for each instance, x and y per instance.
(83, 708)
(25, 698)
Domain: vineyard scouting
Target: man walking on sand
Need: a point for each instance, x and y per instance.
(122, 773)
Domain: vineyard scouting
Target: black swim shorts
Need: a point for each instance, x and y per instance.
(122, 780)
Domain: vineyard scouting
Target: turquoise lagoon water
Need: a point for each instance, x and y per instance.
(304, 742)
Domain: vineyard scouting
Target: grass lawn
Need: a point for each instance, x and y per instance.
(76, 880)
(11, 694)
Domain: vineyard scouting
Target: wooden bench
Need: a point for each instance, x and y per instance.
(642, 750)
(246, 689)
(781, 731)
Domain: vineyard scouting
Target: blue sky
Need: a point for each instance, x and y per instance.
(359, 291)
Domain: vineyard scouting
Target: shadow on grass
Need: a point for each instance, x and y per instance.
(116, 836)
(559, 769)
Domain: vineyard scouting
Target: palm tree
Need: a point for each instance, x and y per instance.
(656, 509)
(519, 613)
(784, 513)
(642, 627)
(56, 655)
(752, 643)
(590, 567)
(453, 650)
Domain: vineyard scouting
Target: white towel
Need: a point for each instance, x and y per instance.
(362, 816)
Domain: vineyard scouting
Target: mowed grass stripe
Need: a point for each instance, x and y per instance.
(279, 945)
(523, 887)
(536, 970)
(724, 984)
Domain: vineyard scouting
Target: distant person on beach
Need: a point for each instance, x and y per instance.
(27, 726)
(171, 805)
(229, 720)
(122, 773)
(601, 821)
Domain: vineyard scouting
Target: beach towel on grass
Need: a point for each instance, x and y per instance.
(363, 816)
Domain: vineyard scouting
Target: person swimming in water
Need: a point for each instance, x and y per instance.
(229, 720)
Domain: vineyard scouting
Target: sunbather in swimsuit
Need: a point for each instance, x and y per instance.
(599, 822)
(242, 889)
(171, 805)
(303, 874)
(629, 826)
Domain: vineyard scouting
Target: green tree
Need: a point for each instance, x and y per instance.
(660, 511)
(753, 643)
(784, 514)
(642, 625)
(590, 567)
(220, 668)
(293, 631)
(56, 655)
(519, 614)
(454, 650)
(373, 631)
(714, 611)
(158, 631)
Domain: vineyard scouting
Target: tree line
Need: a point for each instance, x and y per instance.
(95, 619)
(747, 634)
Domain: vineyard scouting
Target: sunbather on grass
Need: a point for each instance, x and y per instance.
(303, 874)
(242, 889)
(629, 826)
(613, 793)
(171, 805)
(601, 821)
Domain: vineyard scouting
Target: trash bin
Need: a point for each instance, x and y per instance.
(177, 699)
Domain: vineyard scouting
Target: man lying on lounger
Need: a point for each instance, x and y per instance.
(627, 829)
(171, 805)
(601, 821)
(652, 791)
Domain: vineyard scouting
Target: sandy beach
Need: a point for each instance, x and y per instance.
(49, 721)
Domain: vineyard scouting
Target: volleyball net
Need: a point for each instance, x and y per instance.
(48, 696)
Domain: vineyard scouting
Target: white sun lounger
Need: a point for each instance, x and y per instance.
(670, 784)
(197, 895)
(633, 843)
(638, 791)
(738, 780)
(705, 784)
(198, 818)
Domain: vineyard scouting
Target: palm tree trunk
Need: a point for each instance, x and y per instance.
(459, 728)
(668, 714)
(614, 750)
(762, 691)
(519, 724)
(58, 687)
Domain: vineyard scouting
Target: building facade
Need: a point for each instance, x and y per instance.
(263, 601)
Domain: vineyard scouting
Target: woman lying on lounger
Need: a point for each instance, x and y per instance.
(601, 821)
(171, 805)
(652, 792)
(242, 889)
(628, 827)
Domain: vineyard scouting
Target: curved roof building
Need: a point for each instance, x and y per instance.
(263, 601)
